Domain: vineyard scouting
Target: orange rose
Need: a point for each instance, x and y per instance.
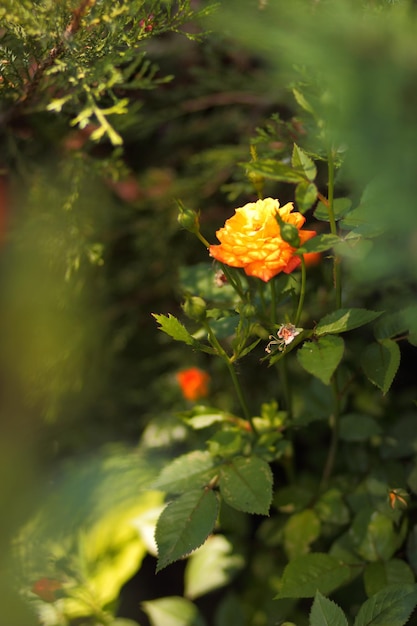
(312, 258)
(194, 383)
(252, 239)
(46, 588)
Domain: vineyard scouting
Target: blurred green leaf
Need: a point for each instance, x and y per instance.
(321, 243)
(380, 574)
(305, 195)
(307, 574)
(340, 207)
(331, 507)
(172, 611)
(342, 320)
(300, 531)
(374, 535)
(358, 427)
(380, 362)
(275, 170)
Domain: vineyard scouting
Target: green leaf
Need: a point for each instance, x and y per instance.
(172, 611)
(331, 508)
(246, 484)
(342, 320)
(185, 524)
(391, 606)
(274, 170)
(374, 535)
(383, 573)
(302, 101)
(212, 566)
(398, 323)
(194, 468)
(173, 327)
(301, 161)
(305, 195)
(321, 357)
(307, 574)
(321, 243)
(380, 362)
(357, 427)
(325, 612)
(340, 207)
(301, 530)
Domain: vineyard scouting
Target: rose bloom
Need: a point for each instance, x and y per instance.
(194, 383)
(312, 258)
(251, 239)
(45, 589)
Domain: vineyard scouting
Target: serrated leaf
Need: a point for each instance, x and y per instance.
(307, 574)
(380, 362)
(305, 195)
(301, 161)
(343, 320)
(391, 606)
(185, 524)
(211, 566)
(379, 575)
(195, 468)
(340, 207)
(325, 612)
(299, 533)
(274, 170)
(321, 243)
(172, 611)
(246, 484)
(321, 357)
(173, 327)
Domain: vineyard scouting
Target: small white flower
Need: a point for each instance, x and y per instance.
(286, 334)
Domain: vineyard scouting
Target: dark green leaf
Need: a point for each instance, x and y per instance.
(374, 535)
(331, 508)
(383, 573)
(246, 484)
(321, 243)
(357, 427)
(340, 207)
(380, 362)
(391, 606)
(325, 612)
(307, 574)
(195, 468)
(185, 524)
(342, 320)
(321, 357)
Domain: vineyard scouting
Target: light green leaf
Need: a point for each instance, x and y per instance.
(300, 531)
(342, 320)
(391, 606)
(380, 362)
(194, 468)
(301, 161)
(321, 243)
(321, 357)
(211, 566)
(383, 573)
(340, 207)
(172, 611)
(302, 101)
(305, 195)
(307, 574)
(246, 484)
(325, 612)
(274, 170)
(185, 524)
(173, 327)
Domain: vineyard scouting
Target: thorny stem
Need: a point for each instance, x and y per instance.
(239, 392)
